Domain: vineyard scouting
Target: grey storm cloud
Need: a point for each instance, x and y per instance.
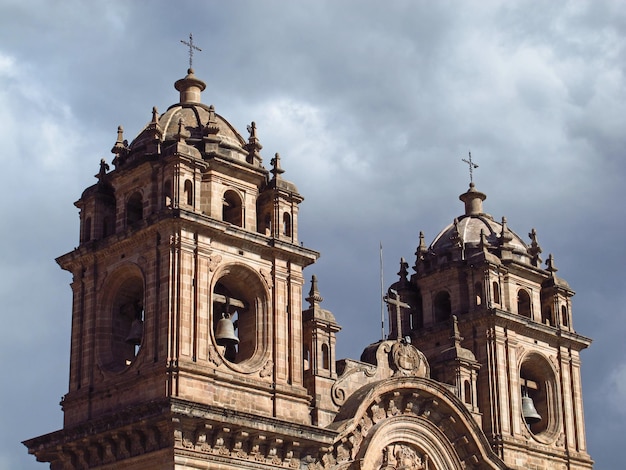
(372, 106)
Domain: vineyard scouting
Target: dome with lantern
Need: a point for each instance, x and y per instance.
(477, 233)
(192, 123)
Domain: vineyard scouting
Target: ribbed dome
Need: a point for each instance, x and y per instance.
(194, 118)
(469, 228)
(475, 231)
(192, 121)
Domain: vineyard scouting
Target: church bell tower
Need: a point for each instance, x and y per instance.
(513, 356)
(187, 288)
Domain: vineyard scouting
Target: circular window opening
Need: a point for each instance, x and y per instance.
(539, 397)
(239, 314)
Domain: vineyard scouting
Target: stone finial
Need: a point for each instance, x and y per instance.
(253, 146)
(104, 167)
(314, 297)
(550, 265)
(404, 271)
(484, 244)
(505, 236)
(455, 333)
(119, 146)
(535, 250)
(455, 238)
(276, 169)
(420, 252)
(155, 115)
(212, 127)
(421, 248)
(182, 133)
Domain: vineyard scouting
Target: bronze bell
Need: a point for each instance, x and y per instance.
(225, 332)
(529, 412)
(136, 332)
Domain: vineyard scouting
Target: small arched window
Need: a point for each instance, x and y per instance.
(232, 209)
(267, 225)
(467, 392)
(188, 190)
(523, 303)
(134, 208)
(287, 224)
(306, 357)
(107, 227)
(478, 289)
(87, 230)
(443, 306)
(325, 357)
(564, 316)
(167, 193)
(496, 292)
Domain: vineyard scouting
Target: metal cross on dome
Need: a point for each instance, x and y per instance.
(472, 166)
(191, 46)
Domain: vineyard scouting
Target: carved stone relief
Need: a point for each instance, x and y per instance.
(401, 456)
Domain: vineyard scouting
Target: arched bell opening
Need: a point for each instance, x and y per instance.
(123, 329)
(478, 290)
(188, 193)
(443, 306)
(495, 288)
(134, 208)
(232, 209)
(539, 397)
(239, 315)
(523, 303)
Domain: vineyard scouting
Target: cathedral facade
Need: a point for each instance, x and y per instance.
(192, 347)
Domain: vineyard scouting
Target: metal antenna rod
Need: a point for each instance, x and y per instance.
(382, 296)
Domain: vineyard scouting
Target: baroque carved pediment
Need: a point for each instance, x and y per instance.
(390, 359)
(407, 423)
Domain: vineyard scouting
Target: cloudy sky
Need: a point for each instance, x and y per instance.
(372, 105)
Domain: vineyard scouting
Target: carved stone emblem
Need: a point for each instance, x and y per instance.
(214, 261)
(401, 457)
(406, 359)
(267, 369)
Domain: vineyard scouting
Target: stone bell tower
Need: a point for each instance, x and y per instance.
(513, 356)
(187, 288)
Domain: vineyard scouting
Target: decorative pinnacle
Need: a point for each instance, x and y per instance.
(550, 265)
(276, 169)
(483, 241)
(314, 297)
(212, 127)
(104, 167)
(421, 248)
(472, 166)
(120, 145)
(456, 335)
(505, 236)
(535, 249)
(404, 270)
(192, 47)
(253, 146)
